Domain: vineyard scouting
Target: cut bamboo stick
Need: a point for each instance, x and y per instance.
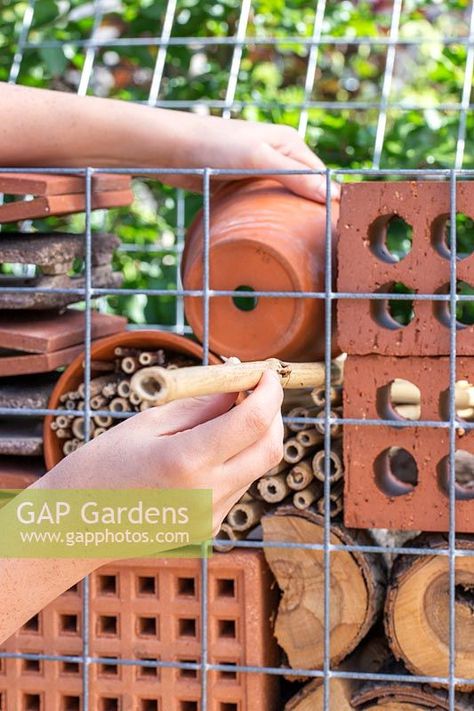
(293, 451)
(335, 429)
(97, 384)
(98, 431)
(135, 399)
(122, 352)
(226, 533)
(244, 516)
(147, 358)
(303, 499)
(68, 447)
(310, 438)
(318, 396)
(300, 476)
(98, 402)
(103, 421)
(335, 465)
(273, 488)
(123, 388)
(119, 404)
(335, 506)
(63, 433)
(130, 364)
(160, 385)
(63, 421)
(78, 428)
(301, 412)
(98, 366)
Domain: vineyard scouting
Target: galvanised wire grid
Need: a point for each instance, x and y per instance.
(163, 41)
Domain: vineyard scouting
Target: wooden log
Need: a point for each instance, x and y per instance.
(303, 499)
(160, 385)
(243, 516)
(357, 588)
(273, 489)
(336, 470)
(300, 476)
(417, 609)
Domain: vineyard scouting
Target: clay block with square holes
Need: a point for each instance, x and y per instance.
(102, 277)
(55, 252)
(20, 472)
(365, 265)
(50, 205)
(149, 611)
(49, 331)
(405, 490)
(54, 184)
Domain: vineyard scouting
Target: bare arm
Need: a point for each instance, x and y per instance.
(40, 128)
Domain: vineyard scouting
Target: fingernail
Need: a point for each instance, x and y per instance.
(335, 191)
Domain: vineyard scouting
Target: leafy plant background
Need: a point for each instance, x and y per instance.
(270, 86)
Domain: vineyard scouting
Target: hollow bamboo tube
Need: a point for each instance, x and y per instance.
(245, 498)
(243, 516)
(70, 404)
(303, 499)
(273, 488)
(309, 438)
(226, 533)
(68, 447)
(129, 364)
(101, 365)
(98, 431)
(63, 421)
(318, 396)
(103, 421)
(119, 404)
(466, 414)
(160, 385)
(293, 451)
(62, 433)
(122, 352)
(123, 388)
(335, 506)
(147, 358)
(145, 405)
(109, 390)
(135, 399)
(98, 402)
(335, 465)
(300, 476)
(54, 425)
(78, 428)
(301, 412)
(281, 467)
(335, 429)
(97, 384)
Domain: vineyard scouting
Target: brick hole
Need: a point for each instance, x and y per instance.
(32, 702)
(149, 705)
(108, 669)
(147, 672)
(70, 668)
(400, 399)
(69, 624)
(228, 706)
(188, 706)
(186, 587)
(107, 584)
(187, 627)
(146, 585)
(225, 587)
(396, 472)
(226, 628)
(109, 704)
(464, 402)
(393, 314)
(441, 235)
(227, 675)
(33, 624)
(108, 625)
(464, 475)
(71, 703)
(390, 238)
(188, 673)
(464, 309)
(147, 626)
(31, 666)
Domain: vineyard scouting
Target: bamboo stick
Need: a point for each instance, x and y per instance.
(135, 399)
(147, 358)
(109, 390)
(300, 476)
(301, 412)
(97, 384)
(54, 425)
(68, 447)
(123, 388)
(103, 421)
(98, 402)
(308, 438)
(160, 385)
(273, 488)
(130, 364)
(98, 366)
(62, 433)
(335, 465)
(226, 533)
(303, 499)
(335, 429)
(293, 451)
(119, 404)
(63, 421)
(122, 352)
(243, 516)
(98, 431)
(78, 427)
(335, 506)
(318, 396)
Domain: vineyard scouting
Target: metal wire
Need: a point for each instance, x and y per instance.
(239, 42)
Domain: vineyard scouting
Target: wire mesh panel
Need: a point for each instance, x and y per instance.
(357, 81)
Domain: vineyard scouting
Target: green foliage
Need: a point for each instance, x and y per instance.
(344, 102)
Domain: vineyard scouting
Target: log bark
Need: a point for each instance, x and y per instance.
(417, 609)
(357, 588)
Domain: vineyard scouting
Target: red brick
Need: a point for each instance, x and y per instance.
(20, 472)
(51, 184)
(143, 610)
(426, 507)
(423, 205)
(62, 205)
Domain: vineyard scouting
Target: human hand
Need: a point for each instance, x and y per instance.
(198, 443)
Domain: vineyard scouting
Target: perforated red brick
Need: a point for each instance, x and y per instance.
(365, 265)
(151, 610)
(378, 495)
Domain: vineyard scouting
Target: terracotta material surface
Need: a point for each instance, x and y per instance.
(55, 252)
(20, 472)
(21, 436)
(364, 265)
(150, 610)
(265, 238)
(104, 349)
(27, 390)
(62, 205)
(102, 277)
(51, 184)
(37, 362)
(373, 498)
(48, 331)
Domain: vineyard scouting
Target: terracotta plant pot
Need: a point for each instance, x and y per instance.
(262, 238)
(103, 349)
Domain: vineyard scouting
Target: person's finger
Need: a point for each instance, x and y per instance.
(247, 466)
(312, 187)
(220, 439)
(188, 413)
